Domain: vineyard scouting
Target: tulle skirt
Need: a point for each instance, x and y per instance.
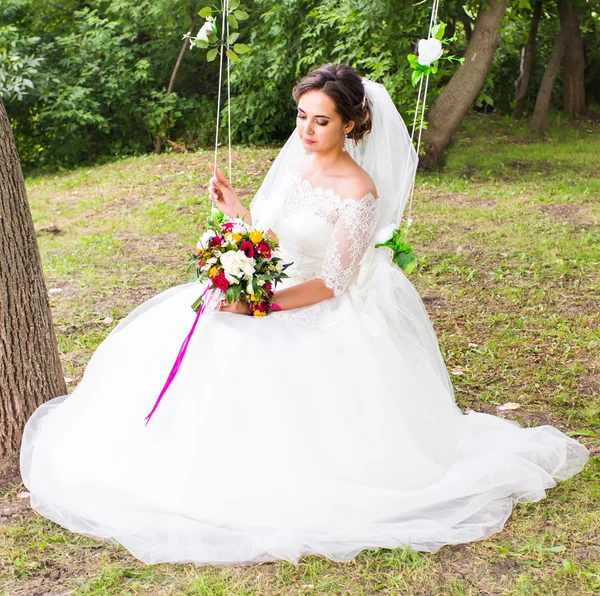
(278, 438)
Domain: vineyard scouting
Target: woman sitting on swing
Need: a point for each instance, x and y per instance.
(328, 427)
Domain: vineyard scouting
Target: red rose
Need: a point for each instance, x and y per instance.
(268, 285)
(262, 306)
(219, 281)
(228, 226)
(264, 249)
(215, 241)
(247, 248)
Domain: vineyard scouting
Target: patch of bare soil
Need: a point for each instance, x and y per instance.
(10, 474)
(455, 198)
(590, 384)
(579, 215)
(431, 301)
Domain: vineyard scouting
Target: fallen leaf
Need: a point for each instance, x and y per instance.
(108, 320)
(509, 406)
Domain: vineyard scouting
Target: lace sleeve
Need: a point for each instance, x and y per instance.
(351, 236)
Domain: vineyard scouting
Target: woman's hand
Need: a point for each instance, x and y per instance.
(237, 308)
(221, 193)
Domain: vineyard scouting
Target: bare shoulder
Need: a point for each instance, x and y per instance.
(358, 185)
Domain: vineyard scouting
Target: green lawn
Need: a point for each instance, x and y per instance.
(509, 248)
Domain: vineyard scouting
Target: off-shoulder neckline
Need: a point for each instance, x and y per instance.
(329, 191)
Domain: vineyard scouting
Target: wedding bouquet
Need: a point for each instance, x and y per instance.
(238, 260)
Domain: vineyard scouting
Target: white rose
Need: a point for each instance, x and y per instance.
(429, 50)
(237, 263)
(205, 239)
(240, 226)
(385, 234)
(250, 289)
(208, 27)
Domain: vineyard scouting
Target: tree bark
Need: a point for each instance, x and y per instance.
(447, 112)
(184, 46)
(30, 368)
(522, 82)
(574, 59)
(544, 96)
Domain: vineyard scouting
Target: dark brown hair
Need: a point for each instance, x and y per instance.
(344, 85)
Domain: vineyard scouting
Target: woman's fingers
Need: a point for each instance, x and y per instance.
(218, 175)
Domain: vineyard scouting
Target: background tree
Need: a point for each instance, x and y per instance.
(527, 60)
(449, 109)
(574, 59)
(30, 368)
(544, 96)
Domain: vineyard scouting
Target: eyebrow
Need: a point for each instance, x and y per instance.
(317, 116)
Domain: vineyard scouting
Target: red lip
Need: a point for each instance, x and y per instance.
(307, 141)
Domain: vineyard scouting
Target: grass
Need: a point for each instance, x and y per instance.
(509, 248)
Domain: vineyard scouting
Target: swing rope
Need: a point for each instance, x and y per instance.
(224, 38)
(421, 104)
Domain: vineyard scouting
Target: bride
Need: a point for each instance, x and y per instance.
(328, 427)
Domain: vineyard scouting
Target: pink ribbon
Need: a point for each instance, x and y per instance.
(179, 358)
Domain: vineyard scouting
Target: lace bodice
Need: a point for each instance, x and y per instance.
(325, 236)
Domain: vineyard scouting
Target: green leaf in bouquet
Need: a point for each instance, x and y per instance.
(229, 294)
(237, 290)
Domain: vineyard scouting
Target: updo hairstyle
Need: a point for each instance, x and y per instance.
(344, 85)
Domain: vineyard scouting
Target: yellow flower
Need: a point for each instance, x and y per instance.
(254, 298)
(213, 271)
(233, 238)
(257, 313)
(255, 236)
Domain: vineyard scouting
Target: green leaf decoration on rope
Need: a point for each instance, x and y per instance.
(208, 35)
(430, 53)
(402, 252)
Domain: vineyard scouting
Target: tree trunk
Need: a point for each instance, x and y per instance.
(522, 83)
(447, 112)
(30, 369)
(544, 96)
(574, 64)
(184, 46)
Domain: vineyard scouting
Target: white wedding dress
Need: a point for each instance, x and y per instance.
(328, 429)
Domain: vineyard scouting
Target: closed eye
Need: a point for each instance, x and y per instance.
(319, 123)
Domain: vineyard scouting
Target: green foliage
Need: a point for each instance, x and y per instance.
(99, 78)
(291, 38)
(402, 252)
(208, 35)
